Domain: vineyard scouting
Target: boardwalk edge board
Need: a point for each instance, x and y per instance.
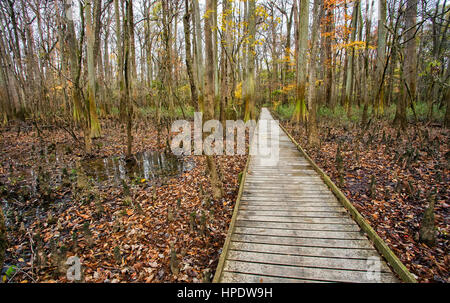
(380, 245)
(226, 245)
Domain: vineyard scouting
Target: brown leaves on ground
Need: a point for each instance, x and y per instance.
(406, 169)
(118, 238)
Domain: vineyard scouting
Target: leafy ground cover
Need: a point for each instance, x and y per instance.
(391, 177)
(164, 229)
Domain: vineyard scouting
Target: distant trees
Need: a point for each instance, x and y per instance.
(67, 62)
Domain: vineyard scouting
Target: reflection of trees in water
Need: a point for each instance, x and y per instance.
(148, 165)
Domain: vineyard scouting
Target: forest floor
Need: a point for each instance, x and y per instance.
(163, 228)
(405, 169)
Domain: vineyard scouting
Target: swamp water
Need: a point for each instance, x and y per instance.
(28, 184)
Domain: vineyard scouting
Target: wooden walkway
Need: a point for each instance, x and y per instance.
(289, 227)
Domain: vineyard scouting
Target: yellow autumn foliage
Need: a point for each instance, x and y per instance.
(238, 91)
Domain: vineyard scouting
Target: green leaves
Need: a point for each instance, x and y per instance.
(10, 271)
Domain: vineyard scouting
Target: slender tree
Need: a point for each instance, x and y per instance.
(216, 185)
(351, 58)
(249, 97)
(189, 63)
(300, 106)
(94, 124)
(313, 138)
(381, 56)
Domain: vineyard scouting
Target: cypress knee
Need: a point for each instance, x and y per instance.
(427, 233)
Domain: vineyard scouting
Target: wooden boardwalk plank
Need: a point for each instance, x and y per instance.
(306, 242)
(299, 233)
(235, 277)
(310, 220)
(300, 226)
(321, 274)
(303, 261)
(289, 227)
(332, 212)
(284, 207)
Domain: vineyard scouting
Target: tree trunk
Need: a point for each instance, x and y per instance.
(365, 67)
(119, 49)
(167, 64)
(381, 56)
(127, 72)
(133, 67)
(198, 53)
(300, 107)
(187, 38)
(410, 61)
(94, 124)
(216, 55)
(313, 137)
(80, 110)
(287, 54)
(216, 185)
(227, 48)
(249, 97)
(329, 28)
(351, 60)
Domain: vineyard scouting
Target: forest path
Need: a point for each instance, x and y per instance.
(289, 227)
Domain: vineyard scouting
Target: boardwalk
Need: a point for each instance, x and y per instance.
(291, 228)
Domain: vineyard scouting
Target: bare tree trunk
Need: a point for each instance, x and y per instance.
(329, 28)
(381, 56)
(216, 55)
(351, 61)
(187, 38)
(133, 67)
(209, 97)
(227, 48)
(148, 51)
(127, 73)
(408, 70)
(365, 68)
(119, 50)
(167, 64)
(80, 110)
(287, 53)
(300, 107)
(9, 96)
(274, 73)
(313, 137)
(249, 97)
(410, 62)
(199, 53)
(94, 124)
